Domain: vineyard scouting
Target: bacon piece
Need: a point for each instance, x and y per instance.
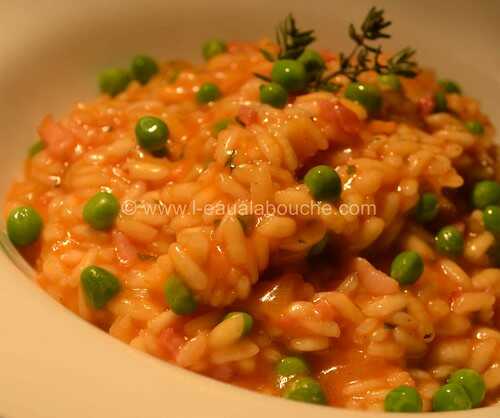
(125, 250)
(337, 113)
(426, 105)
(247, 115)
(373, 280)
(60, 141)
(170, 341)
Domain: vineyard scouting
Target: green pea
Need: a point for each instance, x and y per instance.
(179, 297)
(319, 247)
(101, 210)
(389, 81)
(292, 366)
(472, 382)
(99, 286)
(305, 389)
(151, 133)
(313, 62)
(213, 47)
(290, 74)
(208, 92)
(113, 81)
(273, 94)
(441, 105)
(474, 127)
(449, 241)
(247, 321)
(451, 397)
(485, 193)
(403, 399)
(143, 68)
(427, 208)
(24, 225)
(367, 95)
(450, 86)
(407, 267)
(221, 125)
(491, 218)
(36, 148)
(323, 182)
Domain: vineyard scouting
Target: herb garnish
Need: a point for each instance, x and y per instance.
(246, 222)
(230, 160)
(292, 42)
(146, 257)
(364, 56)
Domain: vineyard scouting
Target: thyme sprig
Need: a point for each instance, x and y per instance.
(365, 55)
(291, 41)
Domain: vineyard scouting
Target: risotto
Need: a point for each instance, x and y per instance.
(318, 226)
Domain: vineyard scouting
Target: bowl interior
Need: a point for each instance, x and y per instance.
(51, 53)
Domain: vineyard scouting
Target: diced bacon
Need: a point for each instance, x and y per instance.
(373, 280)
(426, 105)
(170, 341)
(125, 250)
(247, 115)
(60, 141)
(337, 113)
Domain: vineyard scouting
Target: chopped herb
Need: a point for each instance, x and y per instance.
(36, 148)
(146, 257)
(174, 75)
(221, 125)
(247, 223)
(319, 248)
(262, 77)
(266, 54)
(160, 153)
(329, 87)
(239, 121)
(230, 161)
(351, 169)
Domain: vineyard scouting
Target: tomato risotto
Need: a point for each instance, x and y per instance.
(318, 226)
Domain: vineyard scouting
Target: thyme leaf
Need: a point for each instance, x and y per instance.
(365, 55)
(291, 40)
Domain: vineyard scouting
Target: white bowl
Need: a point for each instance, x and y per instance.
(53, 364)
